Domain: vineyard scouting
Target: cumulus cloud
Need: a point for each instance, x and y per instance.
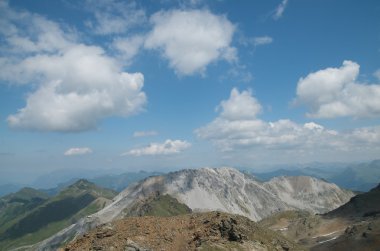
(279, 11)
(165, 148)
(239, 106)
(241, 129)
(114, 16)
(191, 39)
(336, 92)
(78, 151)
(75, 85)
(139, 134)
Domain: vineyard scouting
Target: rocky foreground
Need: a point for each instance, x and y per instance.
(354, 226)
(199, 231)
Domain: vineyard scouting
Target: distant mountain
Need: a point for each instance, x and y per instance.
(116, 182)
(320, 172)
(56, 177)
(280, 172)
(39, 217)
(356, 177)
(119, 182)
(224, 189)
(198, 231)
(9, 188)
(360, 177)
(101, 177)
(55, 190)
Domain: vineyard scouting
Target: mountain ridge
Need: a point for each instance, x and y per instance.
(204, 189)
(53, 214)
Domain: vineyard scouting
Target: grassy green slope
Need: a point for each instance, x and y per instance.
(17, 204)
(78, 200)
(158, 205)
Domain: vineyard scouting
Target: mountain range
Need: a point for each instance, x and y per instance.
(54, 182)
(356, 177)
(222, 189)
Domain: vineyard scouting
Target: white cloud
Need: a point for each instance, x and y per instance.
(78, 151)
(192, 39)
(241, 129)
(239, 106)
(262, 40)
(279, 11)
(114, 16)
(74, 85)
(139, 134)
(336, 92)
(23, 32)
(128, 47)
(168, 147)
(377, 74)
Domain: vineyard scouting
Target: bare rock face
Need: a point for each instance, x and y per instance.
(308, 193)
(198, 231)
(222, 189)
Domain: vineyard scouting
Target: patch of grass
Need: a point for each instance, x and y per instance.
(35, 237)
(166, 205)
(157, 205)
(17, 204)
(42, 216)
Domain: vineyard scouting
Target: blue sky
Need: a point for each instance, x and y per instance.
(152, 85)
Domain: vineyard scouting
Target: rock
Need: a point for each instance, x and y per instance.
(227, 230)
(132, 246)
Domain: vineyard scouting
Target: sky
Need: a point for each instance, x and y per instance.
(164, 85)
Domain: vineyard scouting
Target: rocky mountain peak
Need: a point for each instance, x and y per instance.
(222, 189)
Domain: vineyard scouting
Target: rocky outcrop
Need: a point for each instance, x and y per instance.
(199, 231)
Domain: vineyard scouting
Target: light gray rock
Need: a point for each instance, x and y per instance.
(224, 189)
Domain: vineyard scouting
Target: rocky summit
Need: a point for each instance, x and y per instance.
(229, 190)
(198, 231)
